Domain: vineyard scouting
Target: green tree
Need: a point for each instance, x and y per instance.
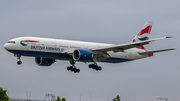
(3, 95)
(116, 99)
(63, 99)
(58, 98)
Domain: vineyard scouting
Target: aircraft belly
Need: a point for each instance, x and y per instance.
(61, 56)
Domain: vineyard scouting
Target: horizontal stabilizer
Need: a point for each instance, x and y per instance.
(156, 51)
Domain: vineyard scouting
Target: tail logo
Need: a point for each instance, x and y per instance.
(143, 35)
(146, 30)
(144, 38)
(24, 42)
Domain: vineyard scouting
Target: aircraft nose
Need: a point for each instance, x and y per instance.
(6, 46)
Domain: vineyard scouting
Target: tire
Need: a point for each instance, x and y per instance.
(68, 68)
(74, 69)
(90, 65)
(100, 68)
(77, 70)
(71, 68)
(19, 62)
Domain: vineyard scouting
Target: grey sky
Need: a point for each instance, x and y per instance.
(105, 21)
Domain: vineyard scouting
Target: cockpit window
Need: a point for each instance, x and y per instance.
(11, 41)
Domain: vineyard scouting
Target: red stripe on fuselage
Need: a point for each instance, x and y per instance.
(29, 41)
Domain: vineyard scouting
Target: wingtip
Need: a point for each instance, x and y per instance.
(168, 36)
(173, 49)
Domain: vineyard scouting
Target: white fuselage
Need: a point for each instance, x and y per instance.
(59, 49)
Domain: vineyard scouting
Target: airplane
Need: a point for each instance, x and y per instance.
(46, 51)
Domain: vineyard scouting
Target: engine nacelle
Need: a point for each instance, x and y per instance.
(40, 61)
(82, 55)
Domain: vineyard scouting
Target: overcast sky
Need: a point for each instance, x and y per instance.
(105, 21)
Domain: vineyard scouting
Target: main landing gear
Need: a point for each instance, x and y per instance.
(95, 66)
(73, 68)
(76, 70)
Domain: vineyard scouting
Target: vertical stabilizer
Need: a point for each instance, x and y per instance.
(143, 34)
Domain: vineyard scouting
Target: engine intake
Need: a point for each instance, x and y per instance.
(82, 55)
(40, 61)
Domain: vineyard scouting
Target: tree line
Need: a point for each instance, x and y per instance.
(4, 96)
(59, 99)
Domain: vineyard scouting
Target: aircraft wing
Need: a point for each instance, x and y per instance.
(122, 47)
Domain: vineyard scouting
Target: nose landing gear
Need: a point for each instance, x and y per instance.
(18, 57)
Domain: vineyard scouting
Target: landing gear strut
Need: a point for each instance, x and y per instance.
(73, 68)
(18, 57)
(95, 66)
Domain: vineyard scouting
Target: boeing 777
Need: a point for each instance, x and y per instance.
(46, 51)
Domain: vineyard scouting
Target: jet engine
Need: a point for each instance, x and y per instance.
(40, 61)
(82, 55)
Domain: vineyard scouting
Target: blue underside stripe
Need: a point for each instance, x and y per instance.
(61, 56)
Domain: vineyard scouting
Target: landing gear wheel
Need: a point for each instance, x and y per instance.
(77, 70)
(68, 68)
(90, 65)
(100, 68)
(95, 66)
(19, 62)
(73, 69)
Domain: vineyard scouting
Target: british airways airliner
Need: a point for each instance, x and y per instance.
(46, 51)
